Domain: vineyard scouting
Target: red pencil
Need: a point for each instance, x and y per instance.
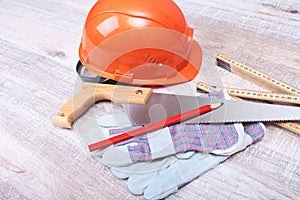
(154, 126)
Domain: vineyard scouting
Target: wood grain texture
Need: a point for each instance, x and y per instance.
(39, 42)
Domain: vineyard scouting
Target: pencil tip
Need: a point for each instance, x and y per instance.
(216, 105)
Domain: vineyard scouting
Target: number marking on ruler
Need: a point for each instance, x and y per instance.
(258, 95)
(255, 76)
(266, 96)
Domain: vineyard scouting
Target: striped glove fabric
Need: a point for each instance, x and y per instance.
(219, 139)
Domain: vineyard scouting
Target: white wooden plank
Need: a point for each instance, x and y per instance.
(39, 49)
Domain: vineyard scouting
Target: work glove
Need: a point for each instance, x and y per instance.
(161, 177)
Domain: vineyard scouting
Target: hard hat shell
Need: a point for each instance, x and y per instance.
(145, 42)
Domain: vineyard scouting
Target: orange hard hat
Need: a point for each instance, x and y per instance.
(144, 42)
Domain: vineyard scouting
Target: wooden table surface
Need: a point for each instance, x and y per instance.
(39, 42)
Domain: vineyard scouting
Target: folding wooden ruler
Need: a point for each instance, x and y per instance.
(285, 93)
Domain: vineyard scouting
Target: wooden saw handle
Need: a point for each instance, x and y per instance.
(90, 93)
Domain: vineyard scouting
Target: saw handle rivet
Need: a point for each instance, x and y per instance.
(139, 92)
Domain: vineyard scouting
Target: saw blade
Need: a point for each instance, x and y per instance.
(233, 111)
(162, 106)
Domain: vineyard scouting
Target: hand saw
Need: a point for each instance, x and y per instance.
(144, 106)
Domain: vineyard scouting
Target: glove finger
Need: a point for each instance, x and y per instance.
(236, 145)
(141, 168)
(255, 130)
(137, 184)
(120, 174)
(180, 173)
(185, 156)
